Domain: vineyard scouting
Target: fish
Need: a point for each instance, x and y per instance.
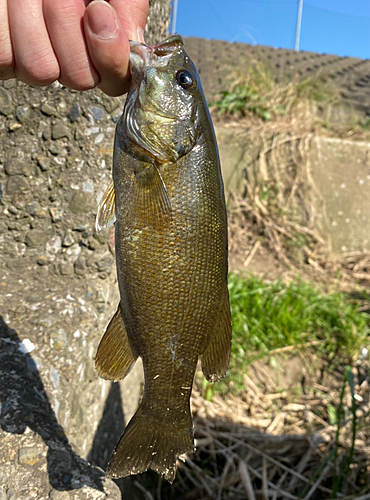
(167, 201)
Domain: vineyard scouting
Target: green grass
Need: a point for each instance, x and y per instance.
(268, 316)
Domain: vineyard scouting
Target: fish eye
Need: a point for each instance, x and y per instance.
(185, 79)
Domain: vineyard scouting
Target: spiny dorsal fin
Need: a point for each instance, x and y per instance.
(114, 357)
(106, 210)
(216, 357)
(151, 198)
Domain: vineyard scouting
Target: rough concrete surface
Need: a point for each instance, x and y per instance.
(340, 170)
(58, 291)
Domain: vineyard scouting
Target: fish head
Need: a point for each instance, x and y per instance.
(161, 115)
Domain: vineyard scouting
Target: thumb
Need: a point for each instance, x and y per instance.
(108, 47)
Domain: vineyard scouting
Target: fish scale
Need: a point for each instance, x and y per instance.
(171, 252)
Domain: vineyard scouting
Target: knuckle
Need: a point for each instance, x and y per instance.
(39, 72)
(79, 76)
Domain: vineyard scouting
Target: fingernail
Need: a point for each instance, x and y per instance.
(140, 35)
(102, 19)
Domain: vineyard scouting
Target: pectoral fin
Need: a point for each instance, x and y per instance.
(151, 198)
(114, 357)
(106, 210)
(216, 357)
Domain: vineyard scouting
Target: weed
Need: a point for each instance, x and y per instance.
(242, 99)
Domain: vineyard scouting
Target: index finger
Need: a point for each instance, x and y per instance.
(64, 21)
(6, 52)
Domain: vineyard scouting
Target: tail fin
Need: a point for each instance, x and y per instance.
(149, 443)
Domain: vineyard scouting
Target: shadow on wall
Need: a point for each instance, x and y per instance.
(24, 403)
(108, 433)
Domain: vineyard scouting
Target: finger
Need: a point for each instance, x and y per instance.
(6, 52)
(35, 61)
(133, 15)
(64, 21)
(108, 47)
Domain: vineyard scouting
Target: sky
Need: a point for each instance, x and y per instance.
(340, 27)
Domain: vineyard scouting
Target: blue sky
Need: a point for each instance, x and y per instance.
(339, 27)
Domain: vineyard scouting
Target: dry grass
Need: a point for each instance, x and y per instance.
(264, 446)
(278, 213)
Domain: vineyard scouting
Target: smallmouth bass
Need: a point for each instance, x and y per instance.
(167, 199)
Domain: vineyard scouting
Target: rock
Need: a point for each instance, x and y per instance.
(53, 246)
(54, 149)
(35, 210)
(81, 228)
(112, 103)
(88, 187)
(60, 130)
(42, 261)
(29, 455)
(46, 134)
(97, 112)
(117, 115)
(23, 114)
(92, 130)
(105, 264)
(56, 214)
(37, 238)
(48, 110)
(75, 112)
(78, 136)
(68, 239)
(66, 268)
(6, 102)
(17, 167)
(16, 184)
(13, 126)
(43, 162)
(81, 203)
(20, 200)
(99, 138)
(92, 243)
(80, 266)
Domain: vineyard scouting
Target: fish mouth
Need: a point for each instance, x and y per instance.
(142, 55)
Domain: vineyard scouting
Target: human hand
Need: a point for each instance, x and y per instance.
(81, 43)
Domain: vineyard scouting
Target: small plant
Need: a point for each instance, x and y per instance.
(365, 124)
(242, 99)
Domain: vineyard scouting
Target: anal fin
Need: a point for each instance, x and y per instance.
(114, 357)
(216, 357)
